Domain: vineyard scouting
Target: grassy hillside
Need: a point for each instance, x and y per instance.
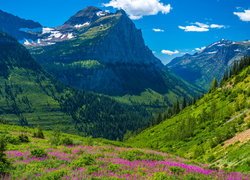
(200, 132)
(27, 94)
(30, 97)
(62, 156)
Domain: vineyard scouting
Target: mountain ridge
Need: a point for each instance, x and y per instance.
(123, 63)
(202, 131)
(209, 63)
(19, 28)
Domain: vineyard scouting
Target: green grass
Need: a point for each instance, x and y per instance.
(89, 158)
(40, 107)
(199, 131)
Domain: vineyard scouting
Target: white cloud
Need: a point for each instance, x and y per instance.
(158, 30)
(217, 26)
(170, 53)
(136, 9)
(193, 28)
(200, 27)
(244, 16)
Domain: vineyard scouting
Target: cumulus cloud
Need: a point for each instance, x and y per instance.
(158, 30)
(201, 27)
(244, 16)
(170, 53)
(136, 9)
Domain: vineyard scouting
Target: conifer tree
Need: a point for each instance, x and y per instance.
(214, 85)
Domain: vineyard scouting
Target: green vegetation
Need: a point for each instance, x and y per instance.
(30, 97)
(39, 134)
(92, 159)
(199, 131)
(4, 163)
(39, 153)
(140, 155)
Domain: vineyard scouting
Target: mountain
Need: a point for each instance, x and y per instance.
(105, 54)
(212, 62)
(26, 92)
(89, 14)
(31, 97)
(214, 130)
(19, 28)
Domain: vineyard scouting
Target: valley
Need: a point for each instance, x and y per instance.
(88, 99)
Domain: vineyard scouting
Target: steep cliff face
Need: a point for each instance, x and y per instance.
(212, 62)
(125, 44)
(107, 54)
(19, 28)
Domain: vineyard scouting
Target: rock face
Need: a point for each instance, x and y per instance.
(89, 14)
(107, 54)
(212, 62)
(19, 28)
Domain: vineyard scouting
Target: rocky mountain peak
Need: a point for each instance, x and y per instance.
(121, 11)
(88, 14)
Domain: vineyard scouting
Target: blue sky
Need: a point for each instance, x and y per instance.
(187, 25)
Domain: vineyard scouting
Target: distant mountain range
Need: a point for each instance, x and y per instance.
(209, 63)
(105, 53)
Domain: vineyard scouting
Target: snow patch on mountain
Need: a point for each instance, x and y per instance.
(55, 34)
(213, 44)
(237, 50)
(28, 42)
(101, 13)
(213, 52)
(70, 36)
(78, 26)
(220, 45)
(47, 30)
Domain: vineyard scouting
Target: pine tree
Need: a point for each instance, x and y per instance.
(214, 85)
(184, 104)
(4, 163)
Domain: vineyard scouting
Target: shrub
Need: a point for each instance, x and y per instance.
(12, 140)
(133, 155)
(58, 174)
(85, 160)
(211, 158)
(92, 169)
(4, 163)
(55, 138)
(198, 151)
(196, 177)
(67, 142)
(39, 134)
(23, 138)
(160, 176)
(113, 167)
(38, 153)
(177, 170)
